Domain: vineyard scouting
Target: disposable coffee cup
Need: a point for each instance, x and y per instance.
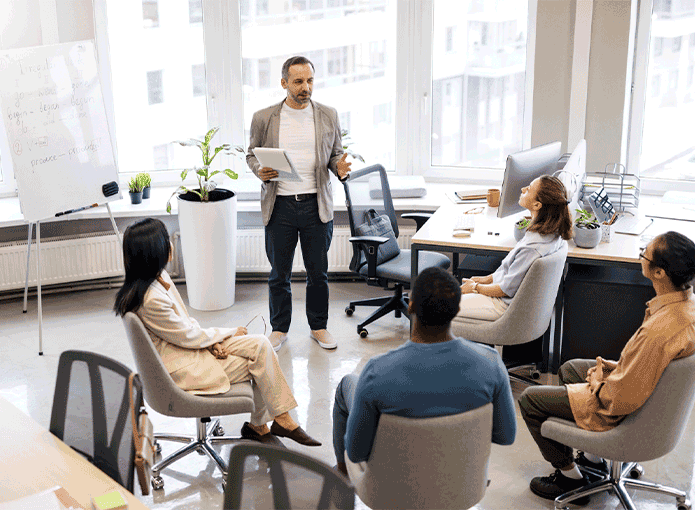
(493, 197)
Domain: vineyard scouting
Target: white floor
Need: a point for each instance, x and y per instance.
(83, 320)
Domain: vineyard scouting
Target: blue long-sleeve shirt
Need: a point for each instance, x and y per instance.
(425, 380)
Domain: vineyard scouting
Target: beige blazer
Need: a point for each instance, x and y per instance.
(265, 132)
(184, 354)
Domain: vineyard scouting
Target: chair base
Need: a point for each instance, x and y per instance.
(397, 303)
(534, 373)
(206, 436)
(618, 481)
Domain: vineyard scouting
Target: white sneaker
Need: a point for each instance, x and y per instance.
(324, 338)
(277, 338)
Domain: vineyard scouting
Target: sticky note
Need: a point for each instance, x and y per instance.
(113, 500)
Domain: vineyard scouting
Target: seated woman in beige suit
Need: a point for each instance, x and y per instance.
(201, 360)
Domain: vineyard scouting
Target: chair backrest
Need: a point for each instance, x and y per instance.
(358, 201)
(656, 428)
(427, 462)
(91, 412)
(298, 481)
(161, 392)
(532, 306)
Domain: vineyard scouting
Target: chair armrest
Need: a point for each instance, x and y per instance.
(370, 246)
(419, 217)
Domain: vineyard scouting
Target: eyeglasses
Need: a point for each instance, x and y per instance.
(641, 254)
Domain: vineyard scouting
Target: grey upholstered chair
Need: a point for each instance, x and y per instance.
(529, 314)
(297, 480)
(165, 397)
(647, 434)
(396, 270)
(426, 462)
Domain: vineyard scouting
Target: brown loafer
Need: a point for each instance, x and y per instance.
(248, 433)
(297, 435)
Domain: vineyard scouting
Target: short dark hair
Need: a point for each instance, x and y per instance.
(675, 254)
(293, 61)
(435, 297)
(146, 250)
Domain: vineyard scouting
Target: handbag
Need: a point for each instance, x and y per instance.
(143, 437)
(379, 225)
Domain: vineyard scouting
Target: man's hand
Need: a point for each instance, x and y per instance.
(241, 331)
(343, 167)
(467, 287)
(218, 351)
(482, 279)
(265, 174)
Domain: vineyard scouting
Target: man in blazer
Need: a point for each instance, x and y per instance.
(310, 133)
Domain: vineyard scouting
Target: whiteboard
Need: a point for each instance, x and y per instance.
(54, 117)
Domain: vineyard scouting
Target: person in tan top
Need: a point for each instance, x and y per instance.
(201, 360)
(598, 394)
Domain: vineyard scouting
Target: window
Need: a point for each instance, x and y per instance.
(382, 114)
(344, 119)
(150, 13)
(160, 154)
(155, 94)
(676, 46)
(689, 83)
(195, 11)
(264, 73)
(656, 86)
(658, 46)
(198, 75)
(692, 41)
(449, 42)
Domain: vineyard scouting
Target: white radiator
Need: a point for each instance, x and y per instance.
(93, 256)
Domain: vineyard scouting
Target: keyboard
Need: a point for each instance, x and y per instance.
(464, 226)
(632, 225)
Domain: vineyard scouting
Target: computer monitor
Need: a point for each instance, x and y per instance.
(572, 175)
(522, 168)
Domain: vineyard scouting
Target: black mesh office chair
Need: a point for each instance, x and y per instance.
(91, 412)
(358, 200)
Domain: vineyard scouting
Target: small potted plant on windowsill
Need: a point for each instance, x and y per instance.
(587, 231)
(135, 190)
(146, 181)
(207, 222)
(520, 227)
(347, 142)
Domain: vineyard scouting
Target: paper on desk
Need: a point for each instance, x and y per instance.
(278, 160)
(46, 500)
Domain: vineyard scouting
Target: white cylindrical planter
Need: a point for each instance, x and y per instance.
(208, 246)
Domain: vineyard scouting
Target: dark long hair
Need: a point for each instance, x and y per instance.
(554, 217)
(146, 251)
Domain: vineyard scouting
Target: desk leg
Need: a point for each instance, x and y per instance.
(557, 342)
(414, 259)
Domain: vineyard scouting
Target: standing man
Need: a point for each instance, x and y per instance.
(310, 133)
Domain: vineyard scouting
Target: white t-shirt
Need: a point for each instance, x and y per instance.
(298, 137)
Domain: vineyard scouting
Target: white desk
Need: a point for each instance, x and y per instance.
(496, 236)
(33, 460)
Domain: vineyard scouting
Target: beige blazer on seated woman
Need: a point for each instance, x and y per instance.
(184, 352)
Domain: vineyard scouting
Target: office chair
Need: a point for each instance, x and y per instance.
(647, 434)
(91, 412)
(298, 481)
(165, 397)
(426, 463)
(528, 315)
(365, 248)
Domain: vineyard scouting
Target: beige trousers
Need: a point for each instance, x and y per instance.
(254, 360)
(478, 306)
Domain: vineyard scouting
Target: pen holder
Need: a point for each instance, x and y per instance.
(607, 232)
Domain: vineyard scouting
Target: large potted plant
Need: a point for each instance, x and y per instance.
(587, 231)
(208, 223)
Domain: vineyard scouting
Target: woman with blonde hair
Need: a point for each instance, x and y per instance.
(487, 297)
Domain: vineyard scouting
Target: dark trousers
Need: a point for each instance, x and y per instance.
(538, 403)
(344, 397)
(294, 220)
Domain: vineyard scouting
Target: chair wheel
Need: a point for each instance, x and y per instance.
(219, 431)
(157, 447)
(636, 472)
(349, 311)
(684, 505)
(535, 374)
(362, 332)
(157, 483)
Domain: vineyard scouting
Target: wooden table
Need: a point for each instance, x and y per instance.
(33, 460)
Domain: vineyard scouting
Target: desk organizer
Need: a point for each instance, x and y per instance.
(622, 188)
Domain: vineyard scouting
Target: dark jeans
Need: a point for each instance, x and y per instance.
(292, 220)
(538, 403)
(344, 396)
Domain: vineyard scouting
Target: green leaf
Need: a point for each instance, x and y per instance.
(210, 134)
(184, 174)
(214, 173)
(231, 173)
(202, 172)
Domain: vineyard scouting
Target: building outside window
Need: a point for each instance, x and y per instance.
(449, 39)
(676, 46)
(195, 11)
(160, 154)
(155, 92)
(198, 75)
(150, 13)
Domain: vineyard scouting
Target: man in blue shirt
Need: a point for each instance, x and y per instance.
(432, 374)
